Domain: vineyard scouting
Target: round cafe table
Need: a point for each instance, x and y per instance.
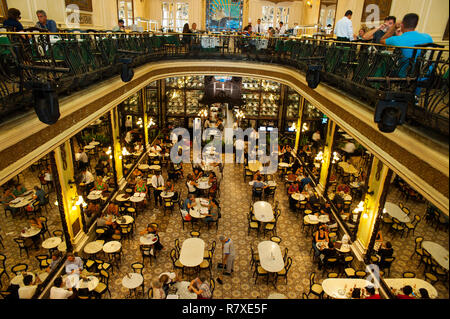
(155, 167)
(21, 201)
(112, 247)
(75, 281)
(148, 239)
(298, 196)
(284, 165)
(166, 194)
(93, 247)
(89, 147)
(199, 210)
(132, 281)
(51, 243)
(30, 232)
(124, 220)
(95, 143)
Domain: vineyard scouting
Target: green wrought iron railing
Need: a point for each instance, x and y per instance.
(71, 61)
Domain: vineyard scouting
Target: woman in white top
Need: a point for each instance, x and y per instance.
(191, 184)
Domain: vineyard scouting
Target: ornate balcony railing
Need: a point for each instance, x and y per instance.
(70, 61)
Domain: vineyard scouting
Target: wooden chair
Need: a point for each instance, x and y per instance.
(314, 288)
(284, 272)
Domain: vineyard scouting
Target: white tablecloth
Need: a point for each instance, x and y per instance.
(439, 253)
(395, 211)
(270, 256)
(398, 283)
(132, 280)
(191, 253)
(339, 288)
(263, 211)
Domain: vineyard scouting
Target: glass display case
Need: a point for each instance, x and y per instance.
(251, 106)
(192, 104)
(132, 105)
(270, 105)
(151, 91)
(292, 104)
(175, 101)
(195, 82)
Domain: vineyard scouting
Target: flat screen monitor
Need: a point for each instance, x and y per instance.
(262, 128)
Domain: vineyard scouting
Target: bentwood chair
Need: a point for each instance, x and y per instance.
(206, 254)
(409, 274)
(252, 225)
(177, 245)
(3, 268)
(146, 252)
(260, 272)
(175, 261)
(103, 285)
(206, 264)
(284, 272)
(315, 289)
(412, 226)
(19, 268)
(418, 250)
(44, 261)
(23, 245)
(212, 286)
(254, 258)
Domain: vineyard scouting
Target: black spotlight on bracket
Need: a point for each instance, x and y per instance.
(313, 75)
(127, 72)
(46, 104)
(391, 111)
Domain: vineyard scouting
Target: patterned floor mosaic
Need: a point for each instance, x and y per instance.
(235, 200)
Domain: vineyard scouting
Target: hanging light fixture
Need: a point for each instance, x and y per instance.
(305, 128)
(203, 113)
(240, 115)
(125, 151)
(319, 156)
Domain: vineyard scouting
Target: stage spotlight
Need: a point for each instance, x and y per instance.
(313, 75)
(391, 111)
(46, 104)
(127, 71)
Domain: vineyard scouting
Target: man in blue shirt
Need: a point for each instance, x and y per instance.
(39, 194)
(409, 38)
(189, 202)
(45, 23)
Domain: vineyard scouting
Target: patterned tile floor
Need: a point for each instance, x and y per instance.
(235, 200)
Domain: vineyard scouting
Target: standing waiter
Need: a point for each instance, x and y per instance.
(344, 28)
